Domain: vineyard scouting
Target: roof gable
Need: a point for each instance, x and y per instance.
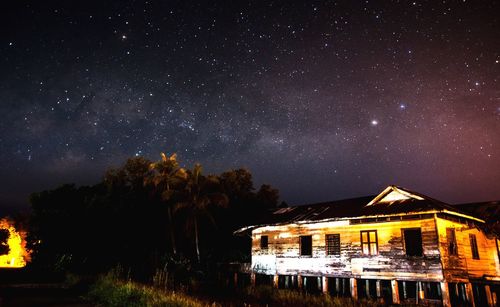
(393, 194)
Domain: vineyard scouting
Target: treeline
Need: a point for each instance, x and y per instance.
(145, 215)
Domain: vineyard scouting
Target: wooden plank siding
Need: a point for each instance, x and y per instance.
(461, 267)
(282, 256)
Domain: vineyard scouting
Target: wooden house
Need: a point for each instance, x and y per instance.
(397, 247)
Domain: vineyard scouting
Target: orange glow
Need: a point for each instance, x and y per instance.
(18, 255)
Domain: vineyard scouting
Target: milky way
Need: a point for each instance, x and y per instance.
(324, 100)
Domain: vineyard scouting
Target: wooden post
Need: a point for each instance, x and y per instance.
(235, 279)
(354, 288)
(489, 297)
(367, 288)
(395, 292)
(470, 294)
(445, 294)
(276, 280)
(300, 281)
(337, 287)
(325, 285)
(253, 279)
(420, 292)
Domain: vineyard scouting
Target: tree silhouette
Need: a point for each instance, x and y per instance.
(200, 194)
(166, 176)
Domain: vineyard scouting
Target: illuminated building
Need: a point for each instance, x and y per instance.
(397, 247)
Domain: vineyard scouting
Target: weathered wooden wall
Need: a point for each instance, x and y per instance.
(282, 256)
(461, 267)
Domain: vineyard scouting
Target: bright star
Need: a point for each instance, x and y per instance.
(374, 122)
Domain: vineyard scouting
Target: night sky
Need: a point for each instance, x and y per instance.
(322, 99)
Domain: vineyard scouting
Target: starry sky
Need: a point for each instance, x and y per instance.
(322, 99)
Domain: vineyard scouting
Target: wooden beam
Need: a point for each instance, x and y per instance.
(300, 281)
(420, 290)
(354, 288)
(253, 279)
(489, 297)
(378, 285)
(235, 279)
(276, 279)
(445, 294)
(470, 294)
(395, 292)
(325, 285)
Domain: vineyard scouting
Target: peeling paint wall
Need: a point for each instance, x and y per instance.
(282, 256)
(461, 267)
(391, 261)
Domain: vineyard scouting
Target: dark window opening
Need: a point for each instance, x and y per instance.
(312, 284)
(458, 294)
(332, 244)
(4, 236)
(306, 245)
(413, 242)
(287, 282)
(367, 288)
(473, 246)
(452, 241)
(339, 286)
(264, 242)
(407, 290)
(369, 242)
(432, 290)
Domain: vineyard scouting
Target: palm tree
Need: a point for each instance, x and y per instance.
(165, 176)
(201, 193)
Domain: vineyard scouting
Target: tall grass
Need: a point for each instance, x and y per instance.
(268, 295)
(116, 289)
(110, 290)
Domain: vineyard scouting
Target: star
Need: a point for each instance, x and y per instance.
(374, 122)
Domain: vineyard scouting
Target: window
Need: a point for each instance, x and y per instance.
(413, 241)
(452, 241)
(332, 244)
(369, 242)
(264, 242)
(306, 245)
(473, 246)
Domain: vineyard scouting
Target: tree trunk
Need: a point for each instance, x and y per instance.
(171, 230)
(196, 238)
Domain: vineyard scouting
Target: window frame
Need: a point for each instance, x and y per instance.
(473, 246)
(403, 230)
(327, 249)
(369, 243)
(451, 242)
(300, 246)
